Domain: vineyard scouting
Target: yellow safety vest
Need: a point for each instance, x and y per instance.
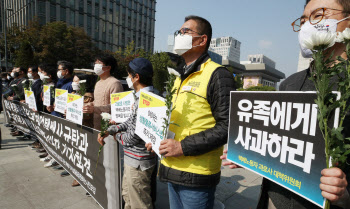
(193, 115)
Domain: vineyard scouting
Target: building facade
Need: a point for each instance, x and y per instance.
(228, 47)
(260, 70)
(110, 23)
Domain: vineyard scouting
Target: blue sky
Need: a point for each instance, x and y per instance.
(261, 26)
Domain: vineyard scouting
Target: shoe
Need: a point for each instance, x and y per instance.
(43, 155)
(59, 167)
(23, 138)
(88, 194)
(8, 125)
(75, 183)
(46, 159)
(51, 163)
(64, 173)
(37, 146)
(33, 144)
(41, 151)
(17, 133)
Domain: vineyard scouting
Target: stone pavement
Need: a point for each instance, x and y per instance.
(26, 184)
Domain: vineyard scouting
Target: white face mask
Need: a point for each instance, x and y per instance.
(130, 83)
(183, 43)
(42, 77)
(59, 74)
(13, 75)
(75, 86)
(8, 77)
(325, 26)
(30, 76)
(98, 69)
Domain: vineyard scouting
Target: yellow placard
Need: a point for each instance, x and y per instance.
(59, 92)
(28, 93)
(73, 97)
(118, 96)
(147, 100)
(46, 88)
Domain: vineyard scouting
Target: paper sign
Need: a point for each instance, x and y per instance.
(25, 96)
(75, 105)
(149, 122)
(30, 100)
(121, 106)
(47, 95)
(61, 100)
(276, 135)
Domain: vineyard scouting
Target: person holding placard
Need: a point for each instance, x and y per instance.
(105, 67)
(65, 79)
(192, 165)
(139, 163)
(335, 183)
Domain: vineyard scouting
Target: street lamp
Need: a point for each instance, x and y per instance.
(5, 32)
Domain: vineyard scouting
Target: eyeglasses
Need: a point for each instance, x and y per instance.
(315, 17)
(184, 31)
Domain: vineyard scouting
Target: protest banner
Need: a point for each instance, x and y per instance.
(30, 100)
(47, 95)
(276, 135)
(149, 121)
(121, 106)
(76, 148)
(61, 100)
(75, 105)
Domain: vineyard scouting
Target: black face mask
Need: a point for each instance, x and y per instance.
(16, 74)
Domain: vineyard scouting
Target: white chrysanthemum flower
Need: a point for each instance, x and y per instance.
(343, 36)
(324, 40)
(13, 85)
(106, 116)
(173, 72)
(83, 81)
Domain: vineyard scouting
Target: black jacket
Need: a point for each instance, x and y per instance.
(37, 89)
(281, 197)
(218, 96)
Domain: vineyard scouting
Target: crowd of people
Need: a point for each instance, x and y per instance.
(194, 149)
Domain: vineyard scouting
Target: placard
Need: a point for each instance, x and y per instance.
(276, 135)
(149, 122)
(121, 106)
(30, 100)
(47, 95)
(75, 105)
(61, 100)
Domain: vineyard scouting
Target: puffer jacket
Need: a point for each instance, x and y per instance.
(218, 96)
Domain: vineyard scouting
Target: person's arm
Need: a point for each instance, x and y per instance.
(219, 87)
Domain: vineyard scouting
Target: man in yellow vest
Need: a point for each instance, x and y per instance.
(192, 157)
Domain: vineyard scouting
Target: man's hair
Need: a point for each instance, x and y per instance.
(24, 70)
(34, 68)
(203, 27)
(66, 66)
(146, 80)
(50, 70)
(108, 60)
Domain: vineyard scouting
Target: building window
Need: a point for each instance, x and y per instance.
(89, 7)
(81, 20)
(81, 6)
(52, 12)
(63, 14)
(72, 17)
(97, 10)
(72, 4)
(63, 2)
